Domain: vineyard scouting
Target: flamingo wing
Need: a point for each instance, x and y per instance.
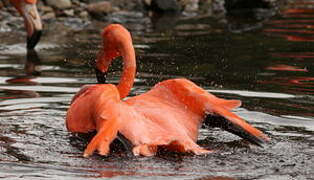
(208, 105)
(149, 122)
(171, 113)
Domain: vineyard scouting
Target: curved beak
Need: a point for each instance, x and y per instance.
(103, 62)
(33, 24)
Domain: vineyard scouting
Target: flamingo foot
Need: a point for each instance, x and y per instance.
(145, 150)
(103, 138)
(98, 143)
(189, 146)
(200, 151)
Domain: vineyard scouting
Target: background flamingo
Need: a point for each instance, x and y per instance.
(169, 115)
(33, 25)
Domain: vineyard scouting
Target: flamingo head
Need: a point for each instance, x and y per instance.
(28, 9)
(116, 42)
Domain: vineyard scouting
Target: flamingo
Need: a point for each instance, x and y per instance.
(33, 25)
(168, 116)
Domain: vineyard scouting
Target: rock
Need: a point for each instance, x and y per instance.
(83, 14)
(76, 2)
(69, 12)
(129, 5)
(148, 2)
(165, 6)
(46, 9)
(94, 1)
(191, 6)
(59, 4)
(49, 15)
(208, 1)
(99, 9)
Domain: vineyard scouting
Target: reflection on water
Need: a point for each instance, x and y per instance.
(265, 61)
(282, 67)
(31, 72)
(295, 27)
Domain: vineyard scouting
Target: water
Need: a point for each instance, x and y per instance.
(266, 62)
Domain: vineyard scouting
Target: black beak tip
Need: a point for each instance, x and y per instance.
(101, 76)
(34, 39)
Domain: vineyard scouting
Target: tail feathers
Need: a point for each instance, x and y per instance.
(229, 121)
(229, 104)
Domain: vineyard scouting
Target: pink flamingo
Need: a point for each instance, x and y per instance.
(169, 115)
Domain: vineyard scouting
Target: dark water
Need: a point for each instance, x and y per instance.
(265, 61)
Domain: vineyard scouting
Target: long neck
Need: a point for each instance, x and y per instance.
(129, 70)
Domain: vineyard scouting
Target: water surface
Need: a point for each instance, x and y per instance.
(267, 63)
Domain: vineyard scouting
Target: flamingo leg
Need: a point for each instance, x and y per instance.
(187, 145)
(101, 141)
